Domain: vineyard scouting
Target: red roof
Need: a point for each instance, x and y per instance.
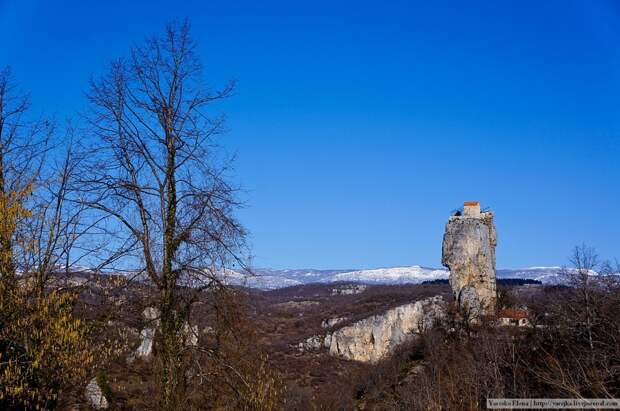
(510, 313)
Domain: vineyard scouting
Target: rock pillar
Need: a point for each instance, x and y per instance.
(469, 253)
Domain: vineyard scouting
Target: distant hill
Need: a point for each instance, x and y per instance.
(500, 281)
(269, 278)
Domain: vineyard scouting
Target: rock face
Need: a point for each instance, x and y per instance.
(311, 343)
(146, 345)
(147, 335)
(469, 253)
(151, 315)
(372, 338)
(95, 396)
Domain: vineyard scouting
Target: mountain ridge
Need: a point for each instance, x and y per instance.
(271, 278)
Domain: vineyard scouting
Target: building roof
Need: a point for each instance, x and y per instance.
(471, 203)
(511, 313)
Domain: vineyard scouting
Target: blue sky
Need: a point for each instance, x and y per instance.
(359, 126)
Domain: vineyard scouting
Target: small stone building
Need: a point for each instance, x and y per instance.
(471, 209)
(513, 318)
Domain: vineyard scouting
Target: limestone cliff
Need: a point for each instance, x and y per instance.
(469, 253)
(94, 395)
(370, 339)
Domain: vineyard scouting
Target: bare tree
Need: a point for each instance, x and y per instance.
(160, 183)
(23, 144)
(52, 237)
(44, 349)
(36, 177)
(581, 277)
(579, 346)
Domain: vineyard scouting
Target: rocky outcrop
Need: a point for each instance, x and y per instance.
(332, 322)
(190, 335)
(311, 343)
(370, 339)
(95, 396)
(147, 335)
(146, 342)
(469, 253)
(349, 289)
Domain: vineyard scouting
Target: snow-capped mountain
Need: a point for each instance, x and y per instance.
(547, 275)
(395, 275)
(269, 278)
(263, 281)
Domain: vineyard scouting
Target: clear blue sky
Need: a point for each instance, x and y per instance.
(359, 126)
